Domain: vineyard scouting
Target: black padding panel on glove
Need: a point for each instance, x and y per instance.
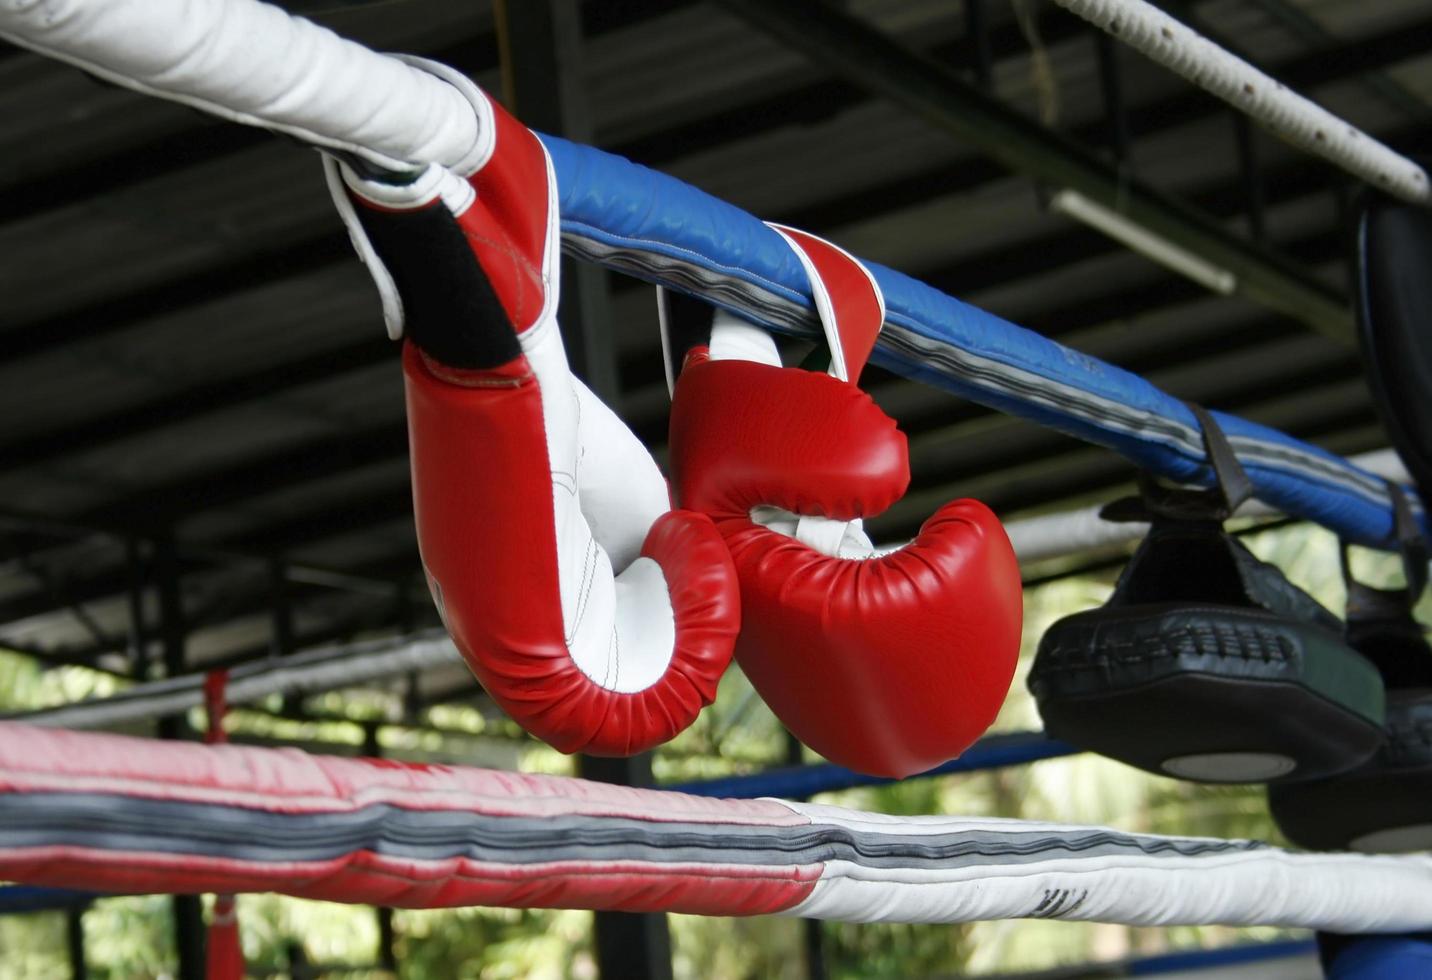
(450, 308)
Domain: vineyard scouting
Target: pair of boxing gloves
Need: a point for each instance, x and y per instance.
(596, 614)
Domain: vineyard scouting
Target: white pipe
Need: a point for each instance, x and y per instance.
(1062, 535)
(1282, 111)
(321, 669)
(1175, 257)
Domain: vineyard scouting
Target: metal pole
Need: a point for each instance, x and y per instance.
(188, 913)
(812, 932)
(540, 43)
(545, 88)
(134, 552)
(387, 937)
(629, 945)
(75, 940)
(541, 49)
(1111, 81)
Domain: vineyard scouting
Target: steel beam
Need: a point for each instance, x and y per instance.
(200, 399)
(936, 94)
(243, 479)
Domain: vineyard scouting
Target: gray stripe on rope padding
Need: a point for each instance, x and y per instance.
(143, 825)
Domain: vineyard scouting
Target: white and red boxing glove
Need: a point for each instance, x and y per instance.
(604, 635)
(886, 663)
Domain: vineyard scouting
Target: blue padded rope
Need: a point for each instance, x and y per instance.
(653, 226)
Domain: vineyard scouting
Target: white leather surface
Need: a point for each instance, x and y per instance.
(627, 649)
(623, 652)
(622, 489)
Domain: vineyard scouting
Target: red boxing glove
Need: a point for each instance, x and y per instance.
(886, 663)
(603, 632)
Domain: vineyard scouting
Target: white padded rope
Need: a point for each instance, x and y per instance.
(1302, 123)
(1070, 872)
(254, 63)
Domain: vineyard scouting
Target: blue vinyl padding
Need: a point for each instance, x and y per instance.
(1213, 959)
(990, 752)
(1384, 958)
(656, 227)
(19, 899)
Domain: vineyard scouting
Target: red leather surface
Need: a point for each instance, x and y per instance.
(482, 500)
(507, 224)
(745, 434)
(854, 301)
(889, 665)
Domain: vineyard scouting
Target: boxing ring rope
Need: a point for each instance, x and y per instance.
(1306, 125)
(238, 58)
(125, 814)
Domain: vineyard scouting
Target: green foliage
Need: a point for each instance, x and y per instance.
(495, 944)
(32, 947)
(24, 683)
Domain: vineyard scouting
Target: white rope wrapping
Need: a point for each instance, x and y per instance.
(1302, 123)
(321, 669)
(254, 63)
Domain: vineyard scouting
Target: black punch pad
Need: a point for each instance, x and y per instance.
(1385, 804)
(1206, 663)
(1395, 324)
